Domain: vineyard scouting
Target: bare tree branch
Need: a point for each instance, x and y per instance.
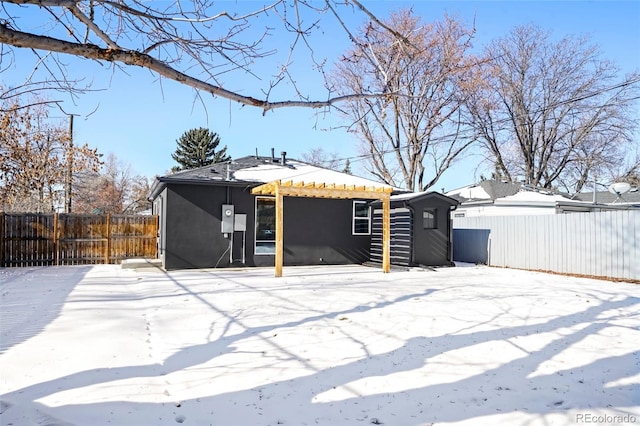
(188, 43)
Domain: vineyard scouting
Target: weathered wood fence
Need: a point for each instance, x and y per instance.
(34, 239)
(598, 244)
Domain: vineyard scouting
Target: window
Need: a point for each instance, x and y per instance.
(429, 219)
(265, 225)
(361, 218)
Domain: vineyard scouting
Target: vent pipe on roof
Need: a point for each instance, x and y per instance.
(273, 155)
(257, 154)
(283, 158)
(229, 172)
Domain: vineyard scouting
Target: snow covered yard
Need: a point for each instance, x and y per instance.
(320, 346)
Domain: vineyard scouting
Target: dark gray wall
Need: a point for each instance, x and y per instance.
(431, 247)
(317, 231)
(193, 230)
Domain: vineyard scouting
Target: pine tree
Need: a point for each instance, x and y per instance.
(347, 167)
(197, 148)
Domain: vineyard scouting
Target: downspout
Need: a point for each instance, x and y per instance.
(450, 241)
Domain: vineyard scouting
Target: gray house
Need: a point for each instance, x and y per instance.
(209, 218)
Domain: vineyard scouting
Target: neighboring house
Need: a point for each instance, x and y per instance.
(629, 199)
(516, 225)
(495, 198)
(209, 218)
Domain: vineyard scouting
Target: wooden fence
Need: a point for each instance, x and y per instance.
(33, 239)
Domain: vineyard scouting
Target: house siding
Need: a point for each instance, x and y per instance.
(193, 237)
(401, 244)
(316, 231)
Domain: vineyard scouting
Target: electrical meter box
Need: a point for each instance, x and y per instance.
(227, 218)
(240, 222)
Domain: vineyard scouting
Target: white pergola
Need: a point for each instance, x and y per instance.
(289, 188)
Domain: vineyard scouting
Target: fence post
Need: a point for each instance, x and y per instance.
(1, 239)
(108, 250)
(55, 238)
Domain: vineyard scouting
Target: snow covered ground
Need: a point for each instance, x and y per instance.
(321, 346)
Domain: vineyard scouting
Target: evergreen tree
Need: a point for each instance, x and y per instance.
(197, 148)
(347, 167)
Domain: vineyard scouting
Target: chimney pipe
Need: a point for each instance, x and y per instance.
(273, 155)
(229, 172)
(283, 158)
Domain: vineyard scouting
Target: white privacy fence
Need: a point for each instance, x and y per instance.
(601, 244)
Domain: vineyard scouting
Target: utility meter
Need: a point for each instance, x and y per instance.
(227, 218)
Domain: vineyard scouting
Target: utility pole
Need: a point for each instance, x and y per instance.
(69, 179)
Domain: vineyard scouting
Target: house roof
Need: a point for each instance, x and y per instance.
(418, 196)
(533, 198)
(487, 190)
(498, 193)
(412, 197)
(253, 170)
(606, 197)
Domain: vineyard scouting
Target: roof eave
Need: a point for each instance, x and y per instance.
(161, 183)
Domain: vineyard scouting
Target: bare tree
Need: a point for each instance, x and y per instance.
(194, 43)
(319, 157)
(137, 200)
(36, 156)
(115, 188)
(414, 129)
(552, 113)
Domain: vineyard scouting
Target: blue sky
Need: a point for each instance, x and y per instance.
(139, 118)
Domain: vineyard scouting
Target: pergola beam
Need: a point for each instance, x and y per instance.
(321, 190)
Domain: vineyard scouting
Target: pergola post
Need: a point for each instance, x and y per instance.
(279, 231)
(386, 234)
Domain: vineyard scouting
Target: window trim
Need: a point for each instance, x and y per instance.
(355, 218)
(255, 230)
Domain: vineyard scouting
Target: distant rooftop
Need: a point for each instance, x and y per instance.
(492, 190)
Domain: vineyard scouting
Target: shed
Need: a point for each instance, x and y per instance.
(420, 230)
